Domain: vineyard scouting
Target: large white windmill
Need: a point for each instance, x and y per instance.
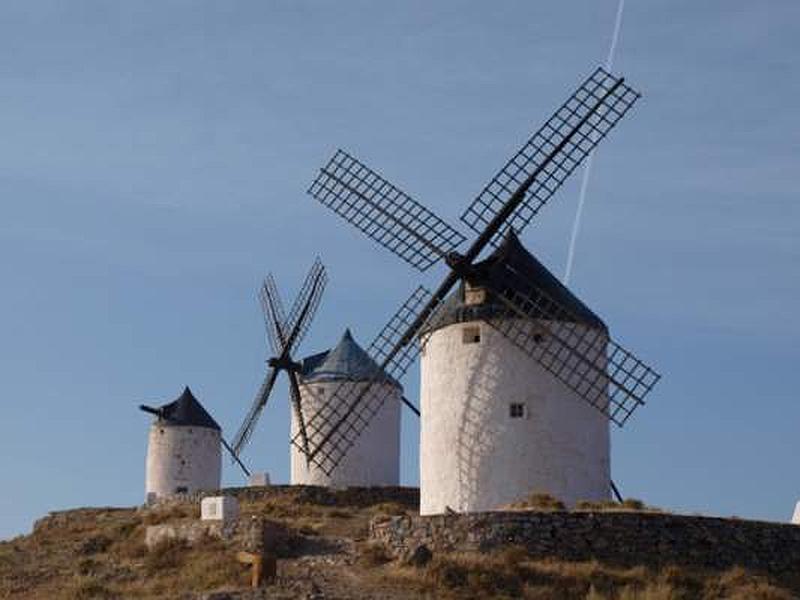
(513, 364)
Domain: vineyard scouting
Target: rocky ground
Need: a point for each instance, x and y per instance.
(327, 554)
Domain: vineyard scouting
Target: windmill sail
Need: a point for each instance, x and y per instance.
(260, 401)
(353, 404)
(285, 334)
(578, 353)
(553, 152)
(383, 212)
(509, 202)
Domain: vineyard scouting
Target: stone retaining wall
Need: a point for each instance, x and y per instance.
(252, 535)
(622, 538)
(306, 494)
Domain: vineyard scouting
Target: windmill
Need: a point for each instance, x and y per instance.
(183, 448)
(284, 334)
(615, 385)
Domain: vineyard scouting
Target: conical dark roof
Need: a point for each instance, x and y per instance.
(511, 268)
(187, 410)
(346, 361)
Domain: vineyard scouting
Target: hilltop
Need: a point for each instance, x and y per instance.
(326, 552)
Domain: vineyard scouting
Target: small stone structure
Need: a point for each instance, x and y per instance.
(623, 538)
(191, 532)
(256, 534)
(258, 480)
(219, 508)
(247, 534)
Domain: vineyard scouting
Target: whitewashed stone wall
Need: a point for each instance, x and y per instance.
(374, 460)
(474, 456)
(182, 459)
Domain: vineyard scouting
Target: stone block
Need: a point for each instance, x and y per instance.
(219, 508)
(258, 480)
(188, 532)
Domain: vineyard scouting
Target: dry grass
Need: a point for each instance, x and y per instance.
(511, 574)
(170, 513)
(372, 554)
(100, 553)
(538, 501)
(322, 520)
(629, 505)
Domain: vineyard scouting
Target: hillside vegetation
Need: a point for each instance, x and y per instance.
(100, 553)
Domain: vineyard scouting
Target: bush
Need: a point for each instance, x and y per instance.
(373, 554)
(629, 504)
(162, 514)
(167, 554)
(539, 501)
(89, 589)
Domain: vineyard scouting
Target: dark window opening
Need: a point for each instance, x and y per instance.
(516, 410)
(472, 335)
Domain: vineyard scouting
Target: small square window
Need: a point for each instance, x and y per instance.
(472, 335)
(516, 410)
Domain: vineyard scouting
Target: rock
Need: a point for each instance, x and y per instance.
(419, 556)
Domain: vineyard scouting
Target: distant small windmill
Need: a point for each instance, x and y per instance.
(284, 334)
(183, 449)
(582, 358)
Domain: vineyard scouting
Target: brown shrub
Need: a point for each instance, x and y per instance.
(209, 567)
(166, 555)
(389, 509)
(738, 584)
(482, 576)
(161, 514)
(94, 545)
(89, 588)
(629, 504)
(538, 501)
(511, 573)
(372, 554)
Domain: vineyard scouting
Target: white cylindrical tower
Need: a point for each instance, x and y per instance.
(374, 459)
(183, 449)
(497, 426)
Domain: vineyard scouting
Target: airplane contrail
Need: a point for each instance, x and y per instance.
(588, 168)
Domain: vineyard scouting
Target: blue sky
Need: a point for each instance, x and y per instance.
(153, 164)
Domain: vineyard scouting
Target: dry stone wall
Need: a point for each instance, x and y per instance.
(623, 538)
(304, 494)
